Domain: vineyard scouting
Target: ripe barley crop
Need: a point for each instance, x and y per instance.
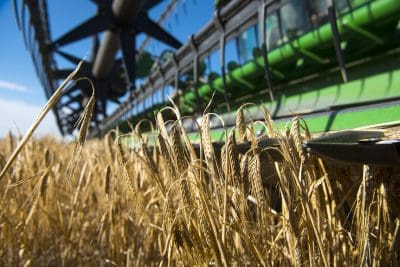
(162, 204)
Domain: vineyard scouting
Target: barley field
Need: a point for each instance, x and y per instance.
(169, 202)
(101, 203)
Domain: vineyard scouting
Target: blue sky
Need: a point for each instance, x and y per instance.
(21, 94)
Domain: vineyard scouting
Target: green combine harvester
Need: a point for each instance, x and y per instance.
(338, 74)
(334, 62)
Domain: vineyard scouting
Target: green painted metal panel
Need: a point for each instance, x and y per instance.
(322, 122)
(381, 86)
(354, 119)
(329, 121)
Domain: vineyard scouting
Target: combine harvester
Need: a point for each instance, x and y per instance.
(335, 63)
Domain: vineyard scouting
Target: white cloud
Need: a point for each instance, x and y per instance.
(13, 86)
(18, 116)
